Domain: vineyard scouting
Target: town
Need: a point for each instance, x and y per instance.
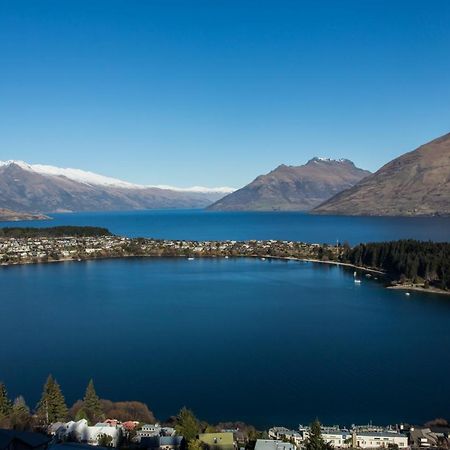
(134, 434)
(26, 250)
(96, 423)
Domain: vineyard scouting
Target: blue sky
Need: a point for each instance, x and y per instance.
(216, 92)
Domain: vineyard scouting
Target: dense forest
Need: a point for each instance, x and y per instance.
(61, 231)
(420, 262)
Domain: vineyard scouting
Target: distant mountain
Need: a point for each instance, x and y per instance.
(293, 188)
(416, 183)
(6, 215)
(45, 189)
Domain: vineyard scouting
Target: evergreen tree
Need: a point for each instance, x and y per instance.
(92, 407)
(5, 402)
(20, 415)
(187, 425)
(315, 440)
(52, 405)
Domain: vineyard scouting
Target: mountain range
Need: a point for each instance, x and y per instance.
(294, 188)
(416, 183)
(45, 189)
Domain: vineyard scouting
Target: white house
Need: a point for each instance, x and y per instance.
(364, 439)
(376, 439)
(81, 432)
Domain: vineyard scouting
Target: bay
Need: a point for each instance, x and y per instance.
(234, 339)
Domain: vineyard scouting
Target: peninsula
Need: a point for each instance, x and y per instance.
(405, 264)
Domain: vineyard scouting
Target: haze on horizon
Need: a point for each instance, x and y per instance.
(215, 93)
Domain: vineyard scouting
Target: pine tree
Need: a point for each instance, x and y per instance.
(52, 406)
(187, 425)
(91, 404)
(20, 415)
(5, 404)
(315, 440)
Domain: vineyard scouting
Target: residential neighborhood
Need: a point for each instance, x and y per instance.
(26, 250)
(113, 433)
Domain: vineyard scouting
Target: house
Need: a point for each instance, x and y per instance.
(285, 434)
(162, 442)
(377, 439)
(130, 425)
(273, 444)
(218, 441)
(23, 440)
(149, 430)
(93, 435)
(423, 437)
(338, 438)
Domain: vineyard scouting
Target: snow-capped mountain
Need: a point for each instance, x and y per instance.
(94, 179)
(37, 188)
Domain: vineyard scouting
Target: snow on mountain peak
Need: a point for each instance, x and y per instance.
(322, 159)
(91, 178)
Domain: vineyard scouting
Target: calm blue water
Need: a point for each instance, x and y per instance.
(265, 342)
(208, 225)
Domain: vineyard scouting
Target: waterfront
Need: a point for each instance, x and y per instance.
(207, 225)
(268, 341)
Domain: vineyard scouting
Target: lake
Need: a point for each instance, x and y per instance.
(267, 342)
(211, 225)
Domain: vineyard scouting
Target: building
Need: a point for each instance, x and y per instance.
(162, 442)
(337, 438)
(273, 444)
(285, 434)
(218, 441)
(376, 439)
(343, 438)
(23, 440)
(430, 437)
(80, 431)
(148, 430)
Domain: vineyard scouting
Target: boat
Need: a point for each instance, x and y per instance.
(191, 258)
(357, 281)
(263, 259)
(407, 293)
(226, 256)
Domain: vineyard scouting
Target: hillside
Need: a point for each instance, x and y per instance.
(416, 183)
(45, 189)
(293, 188)
(6, 215)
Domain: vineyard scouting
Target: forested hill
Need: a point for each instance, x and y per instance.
(30, 232)
(421, 262)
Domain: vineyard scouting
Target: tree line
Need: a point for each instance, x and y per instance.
(416, 261)
(52, 407)
(59, 231)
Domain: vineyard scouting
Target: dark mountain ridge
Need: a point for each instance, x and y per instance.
(416, 183)
(293, 188)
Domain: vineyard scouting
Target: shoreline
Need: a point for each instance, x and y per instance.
(406, 287)
(282, 258)
(430, 290)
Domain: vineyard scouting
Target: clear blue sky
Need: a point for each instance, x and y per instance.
(216, 92)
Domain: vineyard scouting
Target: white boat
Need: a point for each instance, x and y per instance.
(191, 258)
(407, 293)
(226, 256)
(357, 281)
(263, 259)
